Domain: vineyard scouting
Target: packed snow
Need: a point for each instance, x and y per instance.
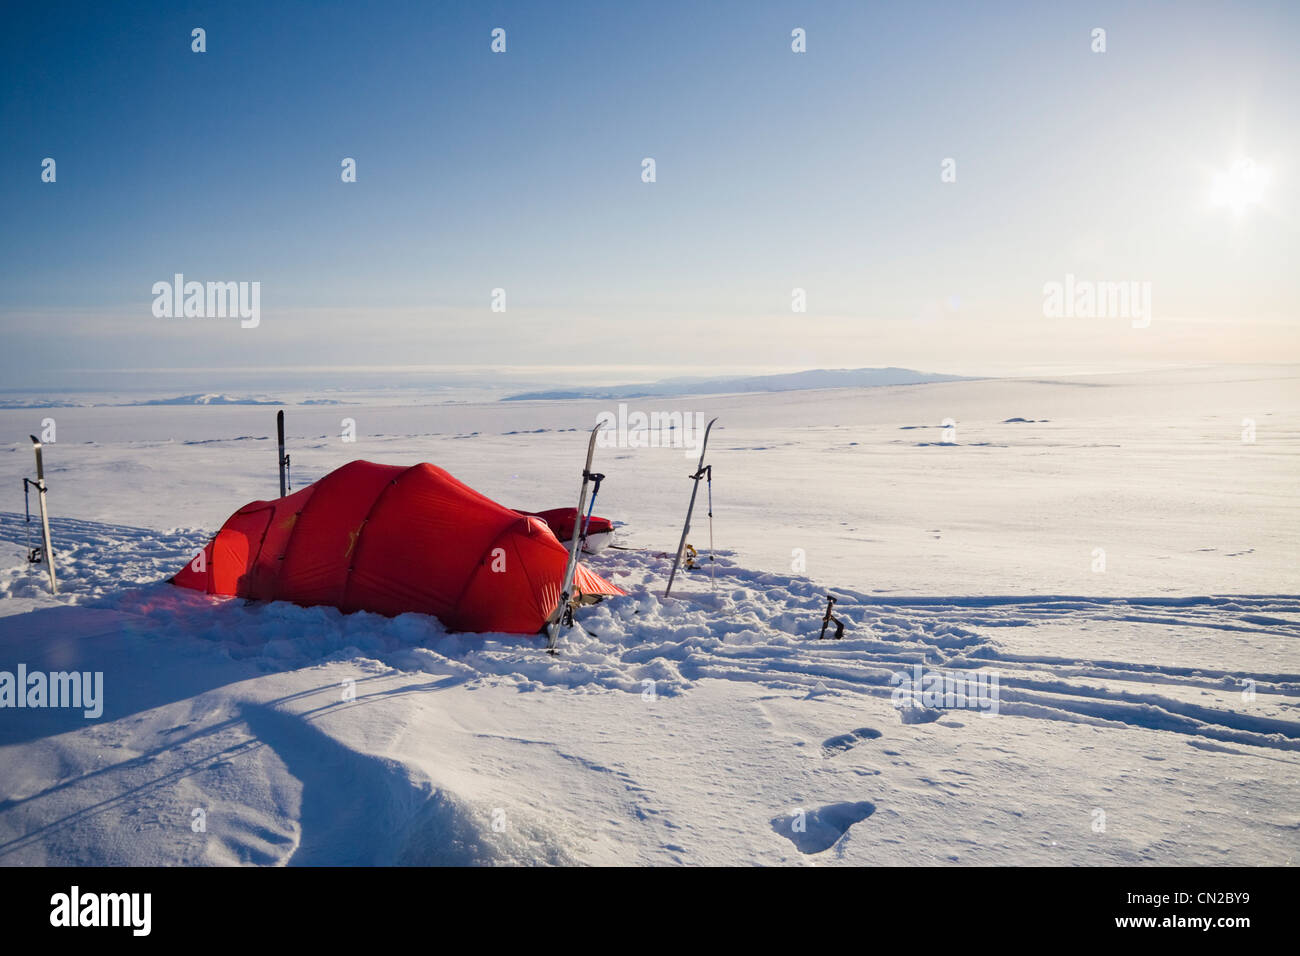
(1119, 552)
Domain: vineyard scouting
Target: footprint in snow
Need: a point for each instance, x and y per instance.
(814, 831)
(833, 745)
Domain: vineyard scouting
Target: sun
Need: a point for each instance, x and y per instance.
(1239, 187)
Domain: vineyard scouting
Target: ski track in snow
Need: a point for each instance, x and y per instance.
(755, 626)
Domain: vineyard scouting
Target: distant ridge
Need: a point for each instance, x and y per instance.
(199, 398)
(208, 398)
(783, 382)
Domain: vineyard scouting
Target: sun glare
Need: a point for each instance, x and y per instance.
(1239, 187)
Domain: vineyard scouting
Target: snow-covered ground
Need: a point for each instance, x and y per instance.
(1109, 546)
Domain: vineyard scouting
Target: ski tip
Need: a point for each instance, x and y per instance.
(35, 440)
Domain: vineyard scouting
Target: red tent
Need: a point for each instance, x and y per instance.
(392, 539)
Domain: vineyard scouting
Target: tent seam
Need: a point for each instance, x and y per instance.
(361, 533)
(288, 542)
(478, 568)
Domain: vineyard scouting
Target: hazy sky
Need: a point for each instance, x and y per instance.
(523, 171)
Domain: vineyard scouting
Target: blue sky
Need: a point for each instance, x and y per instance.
(521, 171)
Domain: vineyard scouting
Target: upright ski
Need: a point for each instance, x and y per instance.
(563, 612)
(47, 552)
(700, 472)
(284, 459)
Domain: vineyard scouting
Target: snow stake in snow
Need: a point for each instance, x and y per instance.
(45, 553)
(700, 472)
(828, 617)
(284, 459)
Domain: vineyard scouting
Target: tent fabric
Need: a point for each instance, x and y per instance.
(392, 539)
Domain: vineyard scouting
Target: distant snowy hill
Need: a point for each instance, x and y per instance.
(13, 404)
(789, 381)
(209, 398)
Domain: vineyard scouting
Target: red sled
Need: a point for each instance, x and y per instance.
(600, 531)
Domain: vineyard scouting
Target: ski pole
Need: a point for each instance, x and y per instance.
(27, 514)
(712, 567)
(686, 526)
(591, 507)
